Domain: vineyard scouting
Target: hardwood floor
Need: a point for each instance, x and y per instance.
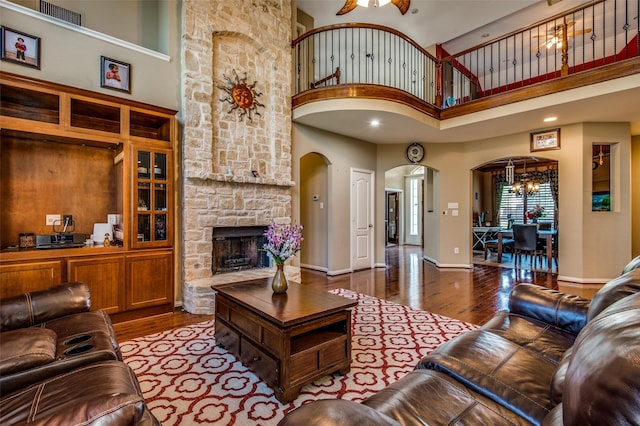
(472, 295)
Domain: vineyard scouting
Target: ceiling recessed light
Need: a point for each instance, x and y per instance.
(375, 122)
(549, 119)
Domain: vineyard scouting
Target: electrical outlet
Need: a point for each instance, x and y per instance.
(456, 250)
(52, 219)
(67, 219)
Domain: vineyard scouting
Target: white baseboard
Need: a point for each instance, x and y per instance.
(313, 267)
(340, 272)
(448, 265)
(584, 280)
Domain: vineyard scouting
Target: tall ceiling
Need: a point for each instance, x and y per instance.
(458, 25)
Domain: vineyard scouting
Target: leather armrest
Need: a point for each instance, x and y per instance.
(36, 307)
(561, 310)
(336, 412)
(26, 348)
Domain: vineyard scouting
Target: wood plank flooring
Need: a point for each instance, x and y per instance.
(472, 295)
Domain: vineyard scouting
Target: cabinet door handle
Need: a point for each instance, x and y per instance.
(256, 358)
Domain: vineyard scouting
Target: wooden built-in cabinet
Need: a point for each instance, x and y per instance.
(70, 151)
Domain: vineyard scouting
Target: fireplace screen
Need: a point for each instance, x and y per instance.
(238, 249)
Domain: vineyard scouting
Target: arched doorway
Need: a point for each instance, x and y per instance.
(314, 212)
(404, 205)
(514, 190)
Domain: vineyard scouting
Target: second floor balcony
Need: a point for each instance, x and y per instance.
(594, 43)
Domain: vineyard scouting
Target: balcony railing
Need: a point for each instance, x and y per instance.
(372, 58)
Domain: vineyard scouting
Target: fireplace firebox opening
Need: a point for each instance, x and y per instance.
(238, 249)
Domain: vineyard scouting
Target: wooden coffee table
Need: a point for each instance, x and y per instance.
(288, 340)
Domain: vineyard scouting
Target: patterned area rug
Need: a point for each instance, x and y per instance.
(186, 379)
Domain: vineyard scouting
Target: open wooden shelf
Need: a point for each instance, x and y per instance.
(66, 150)
(19, 102)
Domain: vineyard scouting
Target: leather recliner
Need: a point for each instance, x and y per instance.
(60, 363)
(551, 359)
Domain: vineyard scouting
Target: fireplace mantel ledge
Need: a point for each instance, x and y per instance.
(245, 180)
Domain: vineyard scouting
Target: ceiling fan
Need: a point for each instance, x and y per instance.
(349, 5)
(558, 35)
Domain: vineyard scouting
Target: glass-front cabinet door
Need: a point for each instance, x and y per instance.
(152, 198)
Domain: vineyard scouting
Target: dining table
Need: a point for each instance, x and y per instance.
(544, 234)
(483, 233)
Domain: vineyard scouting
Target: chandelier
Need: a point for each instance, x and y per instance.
(349, 5)
(526, 186)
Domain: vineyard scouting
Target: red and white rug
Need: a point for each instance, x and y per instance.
(186, 379)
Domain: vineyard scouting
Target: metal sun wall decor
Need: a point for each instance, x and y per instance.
(350, 5)
(241, 96)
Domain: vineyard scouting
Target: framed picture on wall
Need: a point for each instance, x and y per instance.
(115, 75)
(20, 48)
(545, 140)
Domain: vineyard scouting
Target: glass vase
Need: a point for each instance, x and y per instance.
(279, 283)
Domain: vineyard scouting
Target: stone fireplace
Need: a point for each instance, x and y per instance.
(236, 170)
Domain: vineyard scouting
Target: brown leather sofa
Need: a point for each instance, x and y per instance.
(552, 359)
(60, 363)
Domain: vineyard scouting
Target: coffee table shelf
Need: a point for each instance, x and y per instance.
(287, 340)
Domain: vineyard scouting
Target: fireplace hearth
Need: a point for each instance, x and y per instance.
(238, 249)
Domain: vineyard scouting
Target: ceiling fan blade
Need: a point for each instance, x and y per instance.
(348, 7)
(579, 32)
(403, 5)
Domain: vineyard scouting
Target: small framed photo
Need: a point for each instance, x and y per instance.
(20, 48)
(545, 140)
(115, 75)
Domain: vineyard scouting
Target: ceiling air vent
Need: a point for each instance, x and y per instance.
(60, 13)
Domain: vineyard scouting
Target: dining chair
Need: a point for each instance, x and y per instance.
(507, 246)
(525, 241)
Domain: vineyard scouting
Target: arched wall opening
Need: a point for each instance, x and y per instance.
(314, 212)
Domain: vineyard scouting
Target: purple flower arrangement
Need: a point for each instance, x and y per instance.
(283, 241)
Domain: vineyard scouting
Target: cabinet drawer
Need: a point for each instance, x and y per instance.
(245, 321)
(227, 338)
(259, 362)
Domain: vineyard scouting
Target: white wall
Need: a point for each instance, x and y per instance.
(584, 235)
(342, 153)
(70, 55)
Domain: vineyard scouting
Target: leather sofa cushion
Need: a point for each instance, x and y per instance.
(550, 342)
(616, 289)
(429, 397)
(104, 393)
(336, 412)
(33, 308)
(602, 384)
(26, 348)
(422, 397)
(507, 373)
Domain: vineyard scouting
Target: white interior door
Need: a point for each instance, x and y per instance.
(361, 219)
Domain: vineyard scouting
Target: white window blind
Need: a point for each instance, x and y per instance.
(512, 207)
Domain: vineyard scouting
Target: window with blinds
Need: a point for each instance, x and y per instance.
(512, 206)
